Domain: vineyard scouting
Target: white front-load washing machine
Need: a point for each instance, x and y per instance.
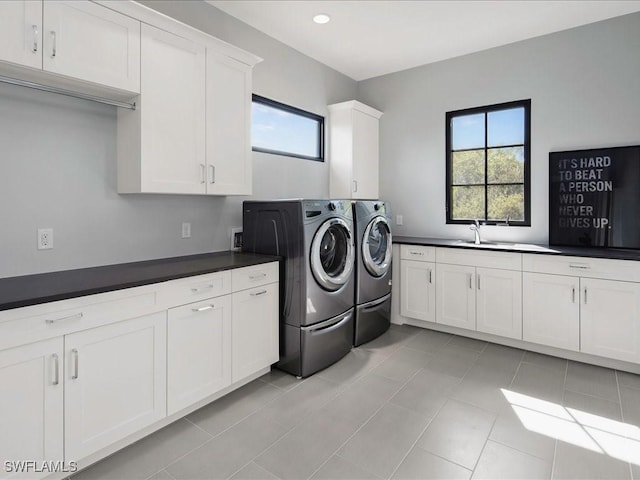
(373, 269)
(315, 239)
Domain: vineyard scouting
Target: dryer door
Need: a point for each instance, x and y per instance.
(376, 247)
(332, 254)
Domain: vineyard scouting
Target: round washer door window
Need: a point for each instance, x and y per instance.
(376, 247)
(332, 254)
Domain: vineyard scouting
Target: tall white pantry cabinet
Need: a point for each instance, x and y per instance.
(354, 150)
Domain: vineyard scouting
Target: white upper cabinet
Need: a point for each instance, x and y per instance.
(78, 40)
(161, 145)
(21, 32)
(229, 165)
(354, 158)
(191, 133)
(88, 42)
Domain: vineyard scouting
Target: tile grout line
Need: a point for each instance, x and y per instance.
(555, 447)
(365, 423)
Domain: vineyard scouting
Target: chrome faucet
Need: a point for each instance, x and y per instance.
(475, 226)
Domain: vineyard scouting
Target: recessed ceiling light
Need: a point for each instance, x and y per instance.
(321, 18)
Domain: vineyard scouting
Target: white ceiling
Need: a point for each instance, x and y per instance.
(365, 39)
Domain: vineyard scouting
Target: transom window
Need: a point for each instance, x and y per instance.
(488, 177)
(285, 130)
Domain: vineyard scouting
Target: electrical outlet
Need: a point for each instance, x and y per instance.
(236, 239)
(45, 238)
(399, 220)
(186, 230)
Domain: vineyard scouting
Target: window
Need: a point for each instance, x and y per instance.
(284, 130)
(488, 177)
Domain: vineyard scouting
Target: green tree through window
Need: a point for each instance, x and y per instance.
(488, 174)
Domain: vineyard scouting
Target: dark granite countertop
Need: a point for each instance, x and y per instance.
(34, 289)
(612, 253)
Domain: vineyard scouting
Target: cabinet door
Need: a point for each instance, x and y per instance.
(229, 162)
(172, 113)
(456, 296)
(255, 330)
(90, 42)
(551, 310)
(365, 155)
(21, 32)
(499, 302)
(198, 351)
(115, 382)
(610, 319)
(417, 286)
(31, 412)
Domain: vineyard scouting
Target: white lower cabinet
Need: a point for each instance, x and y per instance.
(255, 330)
(456, 296)
(31, 403)
(551, 310)
(610, 319)
(115, 382)
(499, 302)
(198, 351)
(418, 290)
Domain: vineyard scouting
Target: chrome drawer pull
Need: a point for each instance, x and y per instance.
(581, 266)
(257, 277)
(416, 253)
(76, 316)
(199, 289)
(202, 309)
(261, 292)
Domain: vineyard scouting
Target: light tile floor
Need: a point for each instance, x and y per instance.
(412, 404)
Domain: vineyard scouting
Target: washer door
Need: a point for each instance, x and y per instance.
(376, 247)
(332, 254)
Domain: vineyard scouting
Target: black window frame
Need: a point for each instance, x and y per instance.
(296, 111)
(526, 104)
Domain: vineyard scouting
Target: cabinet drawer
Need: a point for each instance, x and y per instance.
(418, 252)
(587, 267)
(479, 258)
(31, 324)
(249, 277)
(193, 289)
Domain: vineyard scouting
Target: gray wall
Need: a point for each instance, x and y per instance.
(58, 166)
(583, 85)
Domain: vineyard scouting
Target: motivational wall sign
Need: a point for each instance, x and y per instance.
(594, 197)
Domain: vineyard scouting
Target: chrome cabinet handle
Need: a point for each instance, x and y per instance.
(213, 173)
(255, 294)
(56, 369)
(258, 276)
(75, 355)
(585, 295)
(573, 294)
(471, 280)
(478, 281)
(53, 44)
(355, 185)
(203, 309)
(35, 38)
(202, 173)
(430, 276)
(199, 289)
(76, 316)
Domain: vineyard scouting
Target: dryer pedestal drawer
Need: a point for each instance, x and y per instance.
(372, 320)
